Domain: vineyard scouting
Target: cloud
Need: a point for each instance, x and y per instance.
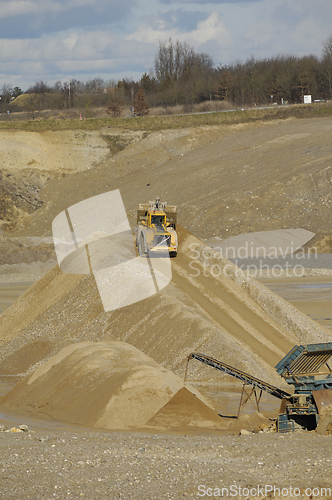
(23, 7)
(81, 56)
(291, 28)
(56, 39)
(31, 18)
(75, 47)
(202, 2)
(212, 28)
(180, 19)
(12, 8)
(208, 29)
(71, 40)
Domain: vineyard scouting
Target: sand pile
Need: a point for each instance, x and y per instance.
(111, 385)
(186, 409)
(240, 322)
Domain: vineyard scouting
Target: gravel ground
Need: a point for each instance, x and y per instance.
(127, 465)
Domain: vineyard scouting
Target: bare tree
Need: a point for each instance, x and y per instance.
(176, 60)
(327, 64)
(327, 47)
(40, 87)
(182, 74)
(6, 92)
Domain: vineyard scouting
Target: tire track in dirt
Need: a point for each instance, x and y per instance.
(215, 289)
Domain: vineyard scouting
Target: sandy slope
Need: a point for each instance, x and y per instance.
(225, 180)
(110, 385)
(238, 321)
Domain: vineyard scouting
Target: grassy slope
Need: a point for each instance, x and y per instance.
(154, 123)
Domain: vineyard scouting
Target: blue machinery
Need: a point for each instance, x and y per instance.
(302, 367)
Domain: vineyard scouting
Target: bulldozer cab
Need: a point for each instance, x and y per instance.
(158, 219)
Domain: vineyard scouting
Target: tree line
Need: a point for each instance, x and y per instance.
(183, 76)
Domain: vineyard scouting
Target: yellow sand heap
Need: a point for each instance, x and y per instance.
(111, 385)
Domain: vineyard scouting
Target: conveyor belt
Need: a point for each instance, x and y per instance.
(244, 377)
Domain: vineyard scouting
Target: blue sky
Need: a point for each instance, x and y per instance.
(54, 40)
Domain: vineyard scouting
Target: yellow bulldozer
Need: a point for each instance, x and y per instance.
(156, 232)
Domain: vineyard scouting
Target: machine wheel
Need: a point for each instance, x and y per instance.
(141, 251)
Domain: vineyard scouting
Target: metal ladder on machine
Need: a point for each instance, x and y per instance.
(257, 386)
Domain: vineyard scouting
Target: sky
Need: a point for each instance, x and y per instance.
(53, 40)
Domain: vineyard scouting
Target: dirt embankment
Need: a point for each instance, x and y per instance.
(225, 180)
(30, 161)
